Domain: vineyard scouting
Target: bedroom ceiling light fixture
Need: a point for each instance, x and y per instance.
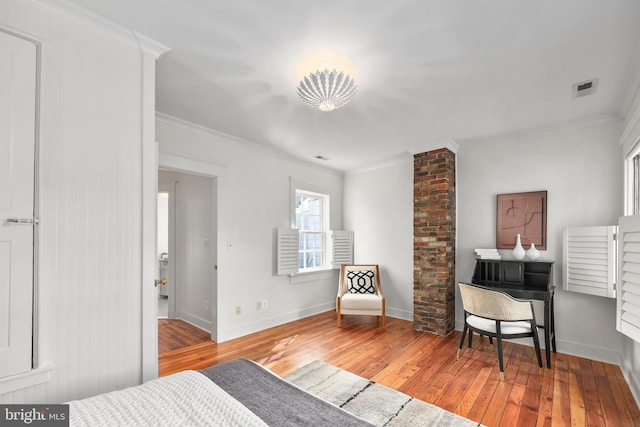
(327, 90)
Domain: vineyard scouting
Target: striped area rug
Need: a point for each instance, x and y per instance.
(377, 404)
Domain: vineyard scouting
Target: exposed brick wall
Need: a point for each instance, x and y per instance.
(434, 231)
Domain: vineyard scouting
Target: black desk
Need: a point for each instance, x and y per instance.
(525, 280)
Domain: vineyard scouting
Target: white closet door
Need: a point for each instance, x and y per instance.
(17, 137)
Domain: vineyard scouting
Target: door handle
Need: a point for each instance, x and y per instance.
(21, 221)
(162, 282)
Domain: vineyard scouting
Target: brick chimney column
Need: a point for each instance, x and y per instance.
(434, 236)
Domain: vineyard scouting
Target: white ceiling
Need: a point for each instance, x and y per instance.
(427, 70)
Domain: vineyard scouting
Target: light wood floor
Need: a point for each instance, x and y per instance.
(575, 392)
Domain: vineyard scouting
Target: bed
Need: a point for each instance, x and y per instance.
(236, 393)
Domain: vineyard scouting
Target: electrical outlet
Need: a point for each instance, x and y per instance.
(265, 304)
(258, 305)
(206, 305)
(238, 310)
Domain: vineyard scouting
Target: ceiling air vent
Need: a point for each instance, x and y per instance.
(584, 88)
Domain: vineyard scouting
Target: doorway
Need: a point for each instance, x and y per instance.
(186, 258)
(162, 252)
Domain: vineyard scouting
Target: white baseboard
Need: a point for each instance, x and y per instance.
(633, 381)
(269, 322)
(400, 314)
(571, 348)
(194, 320)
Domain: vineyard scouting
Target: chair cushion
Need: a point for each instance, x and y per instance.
(361, 301)
(361, 281)
(506, 327)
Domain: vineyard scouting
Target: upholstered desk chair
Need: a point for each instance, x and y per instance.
(497, 315)
(360, 292)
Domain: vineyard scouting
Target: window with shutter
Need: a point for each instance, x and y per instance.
(309, 245)
(628, 300)
(589, 260)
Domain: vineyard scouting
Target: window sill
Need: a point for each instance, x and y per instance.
(34, 377)
(313, 276)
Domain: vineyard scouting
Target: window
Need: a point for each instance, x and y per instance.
(309, 245)
(632, 181)
(311, 218)
(628, 293)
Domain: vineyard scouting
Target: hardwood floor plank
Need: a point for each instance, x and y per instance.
(610, 410)
(493, 416)
(545, 410)
(561, 397)
(512, 406)
(530, 404)
(472, 393)
(577, 408)
(591, 395)
(574, 392)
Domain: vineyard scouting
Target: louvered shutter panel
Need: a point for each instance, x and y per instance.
(589, 260)
(342, 248)
(287, 251)
(628, 303)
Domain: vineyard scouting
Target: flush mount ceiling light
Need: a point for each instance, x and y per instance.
(327, 90)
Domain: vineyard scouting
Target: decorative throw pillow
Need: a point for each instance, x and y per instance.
(361, 282)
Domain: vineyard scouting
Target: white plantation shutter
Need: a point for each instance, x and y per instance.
(589, 260)
(342, 248)
(628, 302)
(287, 251)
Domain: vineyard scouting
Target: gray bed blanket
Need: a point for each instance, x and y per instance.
(276, 401)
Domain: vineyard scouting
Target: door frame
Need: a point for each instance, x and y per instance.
(171, 161)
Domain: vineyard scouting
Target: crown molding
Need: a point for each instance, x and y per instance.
(150, 46)
(234, 140)
(78, 13)
(477, 142)
(631, 134)
(447, 143)
(403, 158)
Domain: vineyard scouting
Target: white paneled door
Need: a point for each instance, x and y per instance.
(17, 154)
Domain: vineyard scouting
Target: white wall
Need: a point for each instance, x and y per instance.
(378, 204)
(253, 199)
(89, 266)
(580, 168)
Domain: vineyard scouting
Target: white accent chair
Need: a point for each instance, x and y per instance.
(497, 315)
(360, 292)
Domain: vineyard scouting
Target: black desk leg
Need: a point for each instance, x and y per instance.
(548, 327)
(553, 326)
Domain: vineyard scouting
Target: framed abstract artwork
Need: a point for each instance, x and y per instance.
(524, 214)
